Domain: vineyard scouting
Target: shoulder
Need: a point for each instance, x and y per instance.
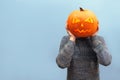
(98, 38)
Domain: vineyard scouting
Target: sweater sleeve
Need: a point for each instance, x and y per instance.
(99, 46)
(66, 51)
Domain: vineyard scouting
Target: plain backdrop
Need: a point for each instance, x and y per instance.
(31, 31)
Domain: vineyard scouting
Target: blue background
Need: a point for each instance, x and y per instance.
(31, 31)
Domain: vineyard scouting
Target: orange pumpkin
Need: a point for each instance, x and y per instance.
(82, 23)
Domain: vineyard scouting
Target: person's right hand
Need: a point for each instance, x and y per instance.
(72, 37)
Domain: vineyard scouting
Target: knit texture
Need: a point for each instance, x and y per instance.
(84, 64)
(82, 57)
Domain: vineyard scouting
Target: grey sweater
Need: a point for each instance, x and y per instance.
(82, 57)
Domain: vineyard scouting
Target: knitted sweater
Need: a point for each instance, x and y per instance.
(82, 57)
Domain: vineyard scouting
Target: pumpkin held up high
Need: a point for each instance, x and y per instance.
(82, 23)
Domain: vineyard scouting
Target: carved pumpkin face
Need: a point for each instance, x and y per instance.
(82, 23)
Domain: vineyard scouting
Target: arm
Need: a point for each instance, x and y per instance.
(101, 50)
(66, 51)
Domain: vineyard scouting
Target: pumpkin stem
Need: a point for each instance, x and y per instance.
(81, 9)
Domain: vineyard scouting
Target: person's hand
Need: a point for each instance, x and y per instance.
(72, 37)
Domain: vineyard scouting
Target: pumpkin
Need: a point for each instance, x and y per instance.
(82, 23)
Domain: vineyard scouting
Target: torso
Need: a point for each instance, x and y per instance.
(84, 64)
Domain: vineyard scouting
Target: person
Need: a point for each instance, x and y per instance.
(82, 56)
